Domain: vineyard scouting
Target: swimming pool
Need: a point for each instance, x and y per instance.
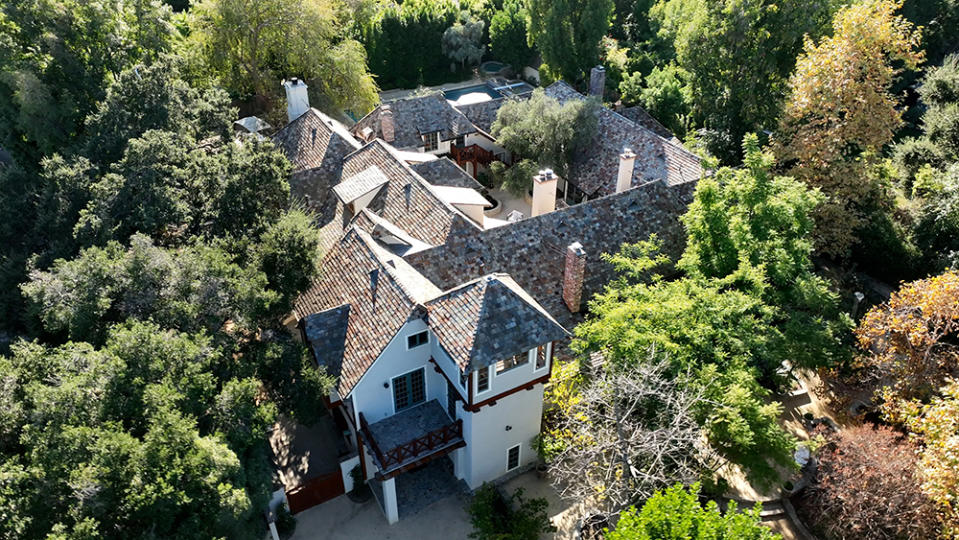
(453, 95)
(492, 67)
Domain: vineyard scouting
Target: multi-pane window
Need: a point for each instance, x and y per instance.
(409, 389)
(416, 340)
(482, 379)
(542, 356)
(431, 141)
(512, 458)
(510, 363)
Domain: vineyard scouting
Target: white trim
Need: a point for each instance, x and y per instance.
(408, 336)
(519, 456)
(549, 357)
(426, 393)
(489, 380)
(497, 372)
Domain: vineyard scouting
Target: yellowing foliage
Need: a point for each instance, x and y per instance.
(840, 112)
(908, 338)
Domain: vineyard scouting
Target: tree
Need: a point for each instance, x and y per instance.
(629, 432)
(189, 289)
(725, 338)
(675, 514)
(171, 187)
(567, 33)
(58, 56)
(866, 486)
(664, 93)
(463, 42)
(545, 133)
(910, 340)
(737, 56)
(933, 426)
(120, 442)
(254, 44)
(154, 97)
(516, 518)
(749, 223)
(508, 35)
(288, 254)
(840, 114)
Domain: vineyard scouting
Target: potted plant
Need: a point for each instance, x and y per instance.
(361, 492)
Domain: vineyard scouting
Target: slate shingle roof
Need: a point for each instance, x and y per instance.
(313, 141)
(488, 320)
(415, 116)
(594, 170)
(640, 116)
(444, 172)
(407, 200)
(532, 251)
(360, 184)
(482, 114)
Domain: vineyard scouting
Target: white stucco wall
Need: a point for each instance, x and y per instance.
(485, 142)
(449, 367)
(488, 441)
(375, 401)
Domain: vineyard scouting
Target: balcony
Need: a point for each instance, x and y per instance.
(475, 154)
(412, 437)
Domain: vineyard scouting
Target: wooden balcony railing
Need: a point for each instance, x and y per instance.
(472, 153)
(419, 446)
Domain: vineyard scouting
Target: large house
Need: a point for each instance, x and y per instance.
(438, 322)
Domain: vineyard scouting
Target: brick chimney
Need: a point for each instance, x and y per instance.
(573, 275)
(544, 193)
(597, 81)
(387, 128)
(297, 99)
(625, 179)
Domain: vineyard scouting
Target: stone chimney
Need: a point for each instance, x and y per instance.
(625, 179)
(573, 275)
(387, 128)
(544, 193)
(597, 81)
(297, 99)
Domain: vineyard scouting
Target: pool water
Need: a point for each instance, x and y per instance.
(453, 95)
(492, 67)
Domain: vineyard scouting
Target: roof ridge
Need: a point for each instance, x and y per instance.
(371, 246)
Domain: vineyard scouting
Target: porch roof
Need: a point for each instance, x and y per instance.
(412, 436)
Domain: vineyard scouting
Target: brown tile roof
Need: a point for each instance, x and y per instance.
(353, 275)
(407, 200)
(314, 141)
(488, 320)
(532, 251)
(594, 170)
(415, 116)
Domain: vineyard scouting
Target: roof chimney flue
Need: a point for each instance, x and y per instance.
(297, 98)
(387, 128)
(624, 180)
(574, 272)
(597, 81)
(544, 192)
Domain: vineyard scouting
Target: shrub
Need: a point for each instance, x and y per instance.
(517, 518)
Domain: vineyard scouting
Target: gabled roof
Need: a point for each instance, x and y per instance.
(640, 116)
(315, 140)
(594, 170)
(459, 195)
(482, 114)
(407, 200)
(488, 320)
(353, 275)
(413, 117)
(360, 184)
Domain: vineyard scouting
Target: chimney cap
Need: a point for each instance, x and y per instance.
(577, 249)
(599, 67)
(627, 153)
(545, 175)
(293, 81)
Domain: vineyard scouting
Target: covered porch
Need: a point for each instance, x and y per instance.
(409, 442)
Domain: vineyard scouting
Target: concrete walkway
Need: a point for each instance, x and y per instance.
(342, 519)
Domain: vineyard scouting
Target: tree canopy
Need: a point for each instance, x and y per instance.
(841, 113)
(568, 34)
(676, 514)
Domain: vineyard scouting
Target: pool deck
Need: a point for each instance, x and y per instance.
(400, 93)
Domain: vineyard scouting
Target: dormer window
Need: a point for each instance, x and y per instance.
(431, 141)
